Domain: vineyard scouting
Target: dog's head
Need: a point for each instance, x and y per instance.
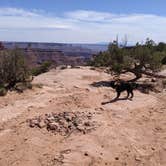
(115, 83)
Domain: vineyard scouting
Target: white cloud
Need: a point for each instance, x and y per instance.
(16, 12)
(85, 15)
(79, 26)
(13, 18)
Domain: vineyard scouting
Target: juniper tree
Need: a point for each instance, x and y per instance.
(139, 59)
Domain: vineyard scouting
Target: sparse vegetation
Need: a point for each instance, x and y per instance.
(140, 59)
(13, 70)
(44, 67)
(3, 91)
(164, 61)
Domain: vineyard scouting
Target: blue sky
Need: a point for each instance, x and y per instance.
(83, 21)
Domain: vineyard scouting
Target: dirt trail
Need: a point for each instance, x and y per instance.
(130, 133)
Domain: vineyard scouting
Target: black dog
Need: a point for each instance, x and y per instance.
(121, 86)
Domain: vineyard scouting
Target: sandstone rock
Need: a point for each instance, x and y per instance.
(42, 124)
(34, 123)
(87, 124)
(64, 123)
(52, 126)
(81, 128)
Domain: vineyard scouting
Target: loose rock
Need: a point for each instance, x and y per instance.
(65, 123)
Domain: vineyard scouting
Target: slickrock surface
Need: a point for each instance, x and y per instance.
(62, 122)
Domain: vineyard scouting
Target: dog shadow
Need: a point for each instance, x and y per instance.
(142, 87)
(115, 100)
(101, 84)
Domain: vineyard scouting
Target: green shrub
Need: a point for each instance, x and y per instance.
(44, 67)
(139, 59)
(13, 69)
(164, 61)
(3, 91)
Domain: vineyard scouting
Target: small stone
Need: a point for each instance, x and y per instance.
(50, 119)
(42, 124)
(89, 117)
(87, 124)
(153, 148)
(63, 123)
(153, 80)
(116, 158)
(52, 126)
(137, 159)
(34, 122)
(25, 139)
(76, 122)
(88, 90)
(68, 118)
(85, 154)
(11, 150)
(158, 128)
(67, 151)
(81, 128)
(71, 126)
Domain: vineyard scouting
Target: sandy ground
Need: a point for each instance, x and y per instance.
(131, 133)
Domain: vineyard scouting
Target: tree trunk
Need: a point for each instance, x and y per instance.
(137, 77)
(153, 75)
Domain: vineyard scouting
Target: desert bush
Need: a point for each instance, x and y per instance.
(13, 68)
(164, 61)
(44, 67)
(99, 60)
(3, 91)
(139, 59)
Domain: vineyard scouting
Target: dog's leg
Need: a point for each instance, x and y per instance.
(118, 95)
(132, 94)
(128, 93)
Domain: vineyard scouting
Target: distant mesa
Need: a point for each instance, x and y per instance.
(58, 53)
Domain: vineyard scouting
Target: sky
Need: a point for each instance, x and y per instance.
(82, 21)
